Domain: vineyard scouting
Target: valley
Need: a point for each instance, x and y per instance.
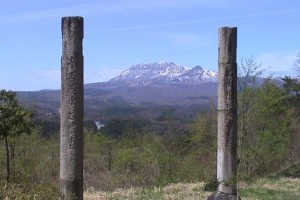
(169, 94)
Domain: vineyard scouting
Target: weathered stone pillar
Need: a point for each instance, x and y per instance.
(227, 116)
(71, 128)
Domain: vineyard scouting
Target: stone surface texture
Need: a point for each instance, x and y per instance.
(71, 130)
(227, 111)
(220, 196)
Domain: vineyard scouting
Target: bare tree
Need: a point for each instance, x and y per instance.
(297, 65)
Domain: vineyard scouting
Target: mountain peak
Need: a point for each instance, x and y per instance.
(163, 73)
(165, 62)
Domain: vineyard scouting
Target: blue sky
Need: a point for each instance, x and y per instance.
(121, 33)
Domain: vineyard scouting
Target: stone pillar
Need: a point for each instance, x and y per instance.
(71, 128)
(227, 116)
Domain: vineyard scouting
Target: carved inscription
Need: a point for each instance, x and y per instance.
(227, 148)
(71, 80)
(72, 109)
(71, 90)
(229, 104)
(72, 142)
(71, 65)
(72, 101)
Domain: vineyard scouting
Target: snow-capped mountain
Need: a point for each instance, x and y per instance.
(164, 73)
(198, 75)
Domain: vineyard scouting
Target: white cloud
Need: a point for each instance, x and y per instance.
(279, 63)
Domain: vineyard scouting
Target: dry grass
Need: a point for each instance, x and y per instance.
(283, 188)
(176, 191)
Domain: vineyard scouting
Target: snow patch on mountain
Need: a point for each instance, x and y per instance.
(164, 73)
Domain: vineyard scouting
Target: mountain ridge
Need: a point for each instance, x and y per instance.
(142, 86)
(163, 73)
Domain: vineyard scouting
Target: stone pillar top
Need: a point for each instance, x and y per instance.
(72, 22)
(227, 44)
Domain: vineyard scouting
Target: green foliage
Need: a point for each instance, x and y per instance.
(36, 169)
(292, 171)
(138, 163)
(124, 155)
(47, 128)
(264, 126)
(98, 152)
(204, 144)
(137, 159)
(268, 142)
(271, 194)
(14, 121)
(291, 84)
(271, 189)
(211, 185)
(118, 127)
(292, 87)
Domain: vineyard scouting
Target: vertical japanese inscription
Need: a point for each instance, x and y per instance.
(229, 98)
(71, 133)
(71, 92)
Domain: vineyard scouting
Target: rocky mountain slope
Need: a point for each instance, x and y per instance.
(163, 73)
(141, 86)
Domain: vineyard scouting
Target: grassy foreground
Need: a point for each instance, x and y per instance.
(266, 188)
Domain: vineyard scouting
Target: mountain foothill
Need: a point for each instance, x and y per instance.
(144, 91)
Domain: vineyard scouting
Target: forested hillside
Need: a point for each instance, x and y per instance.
(156, 145)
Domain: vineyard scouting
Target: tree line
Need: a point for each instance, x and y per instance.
(124, 156)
